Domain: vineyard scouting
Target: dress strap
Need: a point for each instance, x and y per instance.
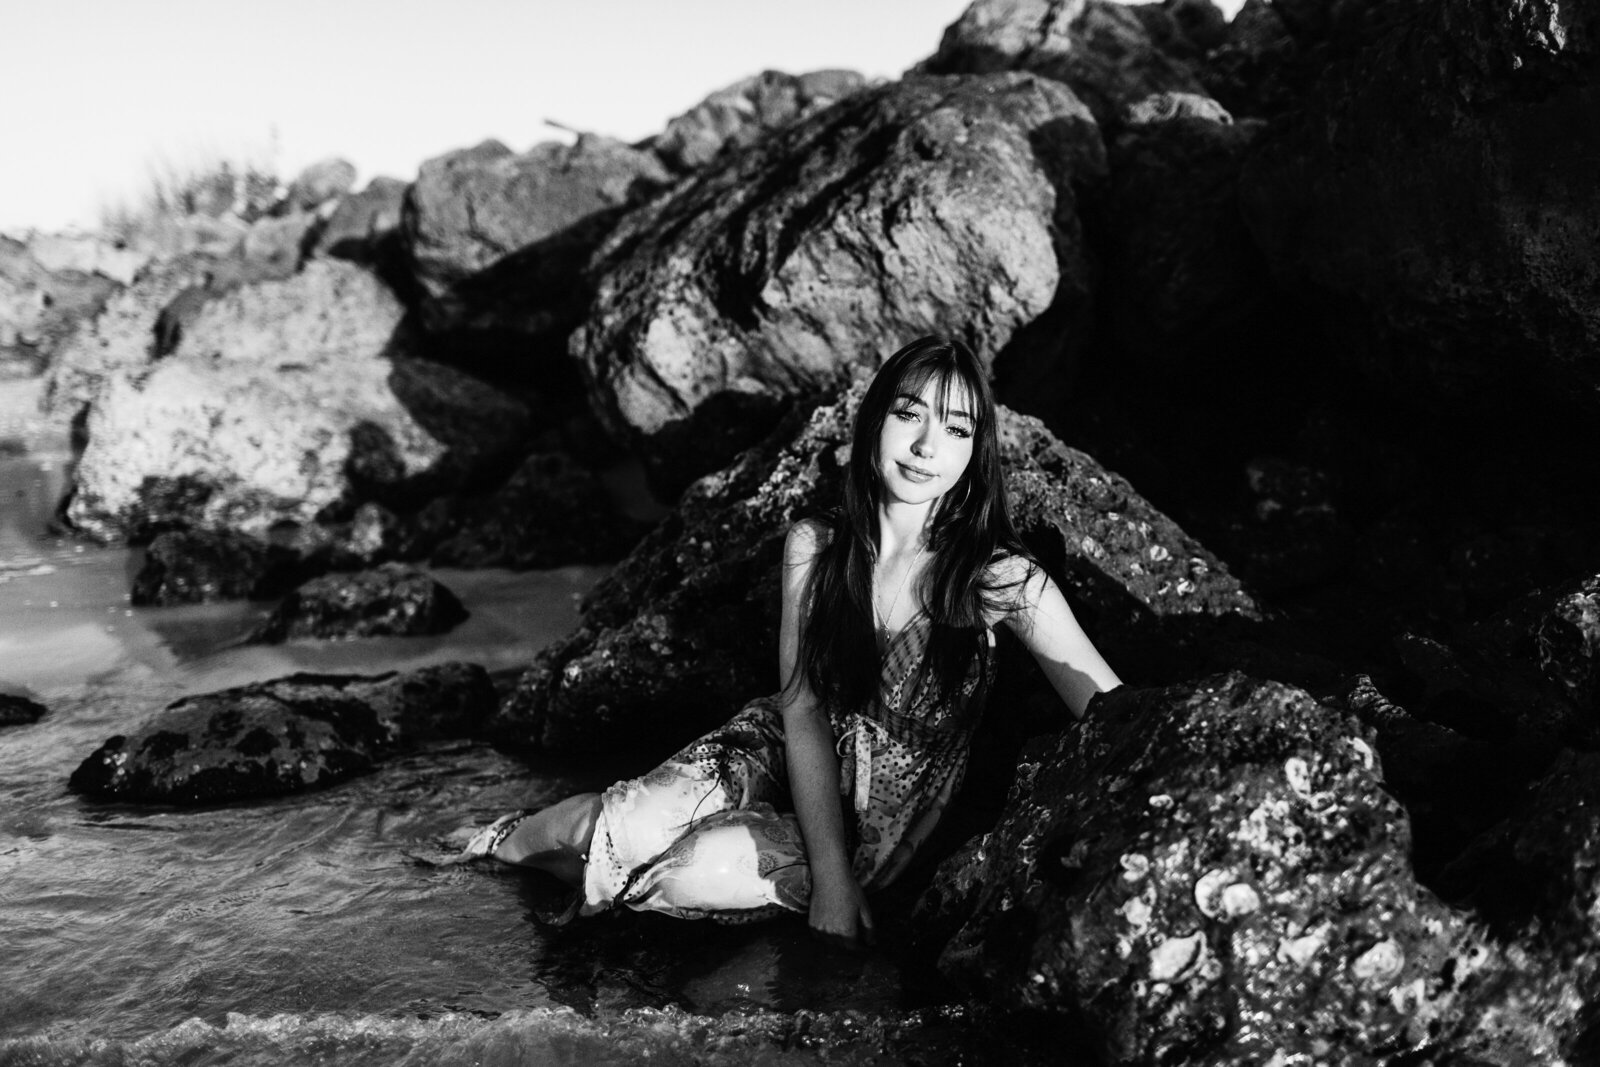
(860, 738)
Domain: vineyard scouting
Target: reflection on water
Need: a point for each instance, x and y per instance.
(119, 923)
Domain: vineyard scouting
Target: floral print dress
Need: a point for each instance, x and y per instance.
(710, 832)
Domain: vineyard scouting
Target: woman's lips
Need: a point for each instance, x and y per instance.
(915, 474)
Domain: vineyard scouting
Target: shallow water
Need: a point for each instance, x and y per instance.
(319, 926)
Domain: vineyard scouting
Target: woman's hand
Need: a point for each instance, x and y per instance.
(839, 911)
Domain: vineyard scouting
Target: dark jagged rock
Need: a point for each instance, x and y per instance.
(1429, 185)
(392, 600)
(682, 631)
(287, 402)
(744, 112)
(195, 566)
(20, 711)
(1213, 873)
(288, 735)
(550, 513)
(928, 205)
(1111, 54)
(1181, 267)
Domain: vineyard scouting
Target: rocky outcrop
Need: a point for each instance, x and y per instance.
(472, 208)
(741, 114)
(20, 711)
(1214, 872)
(364, 224)
(286, 401)
(1111, 54)
(392, 600)
(1427, 189)
(550, 513)
(682, 632)
(48, 285)
(196, 566)
(305, 731)
(929, 205)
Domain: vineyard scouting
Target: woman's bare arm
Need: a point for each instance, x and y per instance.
(1044, 622)
(838, 908)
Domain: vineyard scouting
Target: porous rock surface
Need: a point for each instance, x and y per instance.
(1106, 51)
(742, 113)
(681, 633)
(927, 205)
(391, 600)
(1213, 873)
(196, 566)
(1430, 184)
(288, 735)
(286, 400)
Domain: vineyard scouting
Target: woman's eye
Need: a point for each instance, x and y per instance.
(906, 415)
(959, 431)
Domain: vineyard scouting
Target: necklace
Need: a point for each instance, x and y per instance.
(883, 619)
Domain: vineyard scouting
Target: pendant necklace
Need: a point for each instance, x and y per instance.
(883, 620)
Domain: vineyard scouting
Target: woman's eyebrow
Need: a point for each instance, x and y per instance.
(917, 400)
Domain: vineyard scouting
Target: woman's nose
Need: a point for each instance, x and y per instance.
(922, 446)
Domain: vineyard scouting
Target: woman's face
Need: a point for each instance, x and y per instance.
(923, 451)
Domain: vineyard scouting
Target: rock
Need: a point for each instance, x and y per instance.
(123, 335)
(20, 711)
(392, 600)
(287, 401)
(744, 112)
(1181, 267)
(272, 249)
(1563, 627)
(320, 182)
(682, 632)
(1104, 50)
(471, 208)
(288, 735)
(929, 205)
(1427, 189)
(1213, 872)
(550, 513)
(196, 566)
(364, 223)
(48, 286)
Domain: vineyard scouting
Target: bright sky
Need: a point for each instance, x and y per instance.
(95, 94)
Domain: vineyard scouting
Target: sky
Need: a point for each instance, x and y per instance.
(99, 94)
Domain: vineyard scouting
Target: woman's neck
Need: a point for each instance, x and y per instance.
(902, 528)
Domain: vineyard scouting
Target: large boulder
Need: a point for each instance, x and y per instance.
(391, 600)
(288, 735)
(929, 205)
(286, 401)
(1112, 54)
(684, 630)
(1436, 187)
(1214, 873)
(472, 208)
(744, 112)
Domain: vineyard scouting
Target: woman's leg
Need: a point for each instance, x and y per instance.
(553, 839)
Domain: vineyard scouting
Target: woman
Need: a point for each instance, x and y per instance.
(885, 653)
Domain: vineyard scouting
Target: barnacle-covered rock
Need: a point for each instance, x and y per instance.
(682, 632)
(1213, 871)
(391, 600)
(288, 735)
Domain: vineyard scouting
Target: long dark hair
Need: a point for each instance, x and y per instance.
(971, 527)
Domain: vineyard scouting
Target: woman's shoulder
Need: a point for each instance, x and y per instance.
(806, 538)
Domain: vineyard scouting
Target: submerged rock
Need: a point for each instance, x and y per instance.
(1213, 872)
(20, 711)
(744, 112)
(929, 205)
(682, 632)
(288, 735)
(392, 600)
(195, 566)
(286, 402)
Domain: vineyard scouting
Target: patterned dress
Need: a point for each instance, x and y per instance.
(710, 832)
